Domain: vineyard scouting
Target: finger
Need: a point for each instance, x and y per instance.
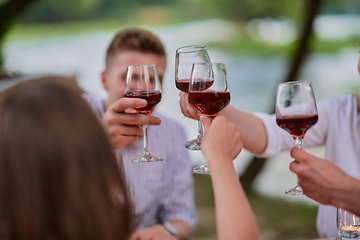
(134, 119)
(206, 122)
(294, 165)
(126, 130)
(121, 141)
(184, 106)
(298, 154)
(131, 110)
(183, 96)
(186, 109)
(124, 103)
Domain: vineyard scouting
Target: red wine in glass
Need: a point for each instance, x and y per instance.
(183, 85)
(153, 97)
(209, 103)
(209, 93)
(184, 59)
(297, 125)
(296, 112)
(142, 81)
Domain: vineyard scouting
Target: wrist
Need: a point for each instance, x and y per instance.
(170, 228)
(350, 188)
(219, 160)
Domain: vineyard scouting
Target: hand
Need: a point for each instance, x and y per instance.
(123, 124)
(157, 232)
(186, 109)
(319, 178)
(220, 139)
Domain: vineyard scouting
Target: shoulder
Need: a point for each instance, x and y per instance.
(97, 105)
(89, 98)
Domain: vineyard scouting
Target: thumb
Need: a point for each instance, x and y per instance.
(124, 103)
(205, 121)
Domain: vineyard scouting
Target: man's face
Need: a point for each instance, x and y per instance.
(114, 77)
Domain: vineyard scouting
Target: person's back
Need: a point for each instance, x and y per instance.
(58, 176)
(167, 186)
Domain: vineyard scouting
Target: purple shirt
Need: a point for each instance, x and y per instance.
(161, 191)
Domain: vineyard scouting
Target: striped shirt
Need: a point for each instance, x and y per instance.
(161, 191)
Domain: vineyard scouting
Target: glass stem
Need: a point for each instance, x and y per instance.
(200, 128)
(299, 142)
(146, 145)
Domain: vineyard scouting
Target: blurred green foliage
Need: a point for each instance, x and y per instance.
(50, 11)
(245, 9)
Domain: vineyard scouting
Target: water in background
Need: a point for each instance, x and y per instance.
(253, 81)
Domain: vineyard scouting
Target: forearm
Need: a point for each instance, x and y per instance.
(251, 128)
(234, 217)
(348, 196)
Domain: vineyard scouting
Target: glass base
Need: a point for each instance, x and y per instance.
(294, 191)
(347, 234)
(203, 169)
(193, 144)
(147, 158)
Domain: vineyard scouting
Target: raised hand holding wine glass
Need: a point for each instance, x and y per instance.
(184, 59)
(296, 112)
(142, 81)
(209, 93)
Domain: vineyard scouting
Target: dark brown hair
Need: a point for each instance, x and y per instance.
(135, 39)
(58, 176)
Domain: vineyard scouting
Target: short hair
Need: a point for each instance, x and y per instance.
(135, 39)
(59, 178)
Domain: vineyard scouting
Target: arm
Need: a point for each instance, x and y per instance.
(324, 182)
(251, 128)
(123, 124)
(220, 145)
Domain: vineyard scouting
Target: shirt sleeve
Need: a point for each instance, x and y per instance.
(178, 202)
(277, 138)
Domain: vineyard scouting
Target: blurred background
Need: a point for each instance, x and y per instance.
(261, 42)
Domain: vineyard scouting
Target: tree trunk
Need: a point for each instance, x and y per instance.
(297, 60)
(9, 12)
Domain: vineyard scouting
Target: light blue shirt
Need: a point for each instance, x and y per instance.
(161, 191)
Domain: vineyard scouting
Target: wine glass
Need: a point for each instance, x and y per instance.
(184, 59)
(209, 93)
(142, 81)
(296, 112)
(348, 224)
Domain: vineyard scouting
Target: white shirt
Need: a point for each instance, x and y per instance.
(338, 128)
(161, 191)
